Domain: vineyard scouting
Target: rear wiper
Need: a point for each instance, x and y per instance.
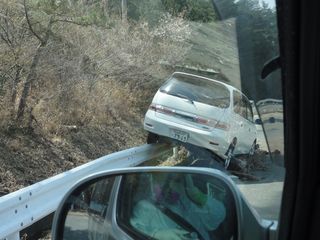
(185, 97)
(178, 95)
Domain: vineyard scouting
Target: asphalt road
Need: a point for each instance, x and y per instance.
(265, 198)
(265, 195)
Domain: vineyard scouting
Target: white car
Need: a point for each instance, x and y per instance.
(203, 112)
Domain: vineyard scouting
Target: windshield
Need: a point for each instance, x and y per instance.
(80, 80)
(197, 89)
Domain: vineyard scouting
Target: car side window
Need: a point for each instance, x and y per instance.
(248, 109)
(238, 105)
(242, 106)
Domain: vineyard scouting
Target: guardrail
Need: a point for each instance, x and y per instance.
(22, 208)
(269, 101)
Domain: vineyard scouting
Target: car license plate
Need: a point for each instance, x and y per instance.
(179, 135)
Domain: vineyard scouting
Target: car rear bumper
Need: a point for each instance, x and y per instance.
(216, 140)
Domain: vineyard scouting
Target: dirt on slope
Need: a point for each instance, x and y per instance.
(28, 155)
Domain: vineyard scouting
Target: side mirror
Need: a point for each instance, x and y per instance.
(157, 203)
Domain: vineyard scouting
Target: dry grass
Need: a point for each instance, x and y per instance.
(179, 155)
(92, 88)
(103, 76)
(8, 181)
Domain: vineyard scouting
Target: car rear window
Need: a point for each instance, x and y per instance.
(199, 90)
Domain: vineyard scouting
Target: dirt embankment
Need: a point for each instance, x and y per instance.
(28, 156)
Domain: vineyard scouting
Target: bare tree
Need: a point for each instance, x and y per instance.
(13, 35)
(104, 6)
(32, 72)
(124, 10)
(43, 41)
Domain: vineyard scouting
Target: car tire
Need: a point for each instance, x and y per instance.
(152, 138)
(229, 152)
(253, 148)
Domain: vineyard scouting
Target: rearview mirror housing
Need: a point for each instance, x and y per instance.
(156, 203)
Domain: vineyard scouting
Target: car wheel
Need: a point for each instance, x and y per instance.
(253, 148)
(229, 152)
(152, 138)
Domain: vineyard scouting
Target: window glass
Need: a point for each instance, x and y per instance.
(242, 106)
(87, 217)
(197, 89)
(248, 108)
(181, 206)
(239, 105)
(100, 196)
(250, 114)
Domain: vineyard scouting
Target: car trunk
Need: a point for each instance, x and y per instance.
(188, 113)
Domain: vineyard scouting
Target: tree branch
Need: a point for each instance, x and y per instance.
(6, 28)
(11, 28)
(6, 73)
(6, 37)
(29, 23)
(5, 40)
(72, 22)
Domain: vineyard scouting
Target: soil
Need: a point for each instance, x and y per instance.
(29, 155)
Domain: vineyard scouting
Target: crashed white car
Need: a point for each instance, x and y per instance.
(202, 112)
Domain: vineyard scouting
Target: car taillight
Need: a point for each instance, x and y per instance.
(212, 123)
(201, 120)
(206, 121)
(223, 126)
(153, 107)
(161, 109)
